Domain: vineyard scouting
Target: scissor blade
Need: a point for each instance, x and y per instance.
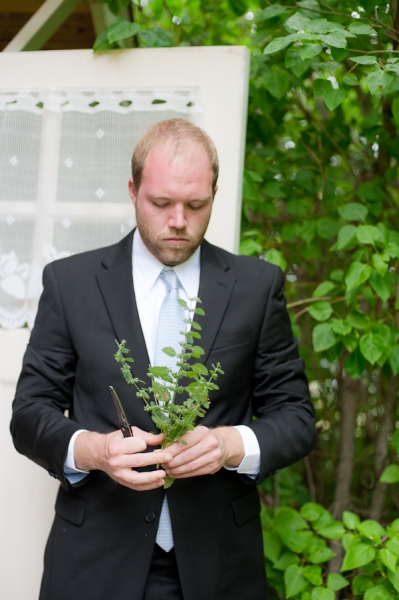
(123, 422)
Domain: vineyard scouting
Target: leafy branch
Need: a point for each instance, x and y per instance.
(171, 417)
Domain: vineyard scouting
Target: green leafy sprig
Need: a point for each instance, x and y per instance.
(160, 398)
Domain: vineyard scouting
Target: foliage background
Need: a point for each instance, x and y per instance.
(320, 199)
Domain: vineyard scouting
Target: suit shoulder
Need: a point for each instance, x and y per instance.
(245, 264)
(91, 259)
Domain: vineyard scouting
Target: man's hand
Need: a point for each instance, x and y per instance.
(207, 451)
(119, 457)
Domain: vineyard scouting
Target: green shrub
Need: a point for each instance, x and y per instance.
(298, 546)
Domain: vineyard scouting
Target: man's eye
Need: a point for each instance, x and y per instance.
(160, 205)
(195, 206)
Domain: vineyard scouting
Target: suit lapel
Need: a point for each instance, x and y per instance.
(115, 280)
(216, 286)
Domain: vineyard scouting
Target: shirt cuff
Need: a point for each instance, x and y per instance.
(73, 474)
(250, 464)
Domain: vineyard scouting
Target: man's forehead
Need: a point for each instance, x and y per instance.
(172, 150)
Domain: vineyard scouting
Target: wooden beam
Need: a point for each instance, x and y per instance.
(42, 25)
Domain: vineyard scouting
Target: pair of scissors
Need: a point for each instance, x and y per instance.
(124, 424)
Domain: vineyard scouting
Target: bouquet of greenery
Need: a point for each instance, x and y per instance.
(174, 420)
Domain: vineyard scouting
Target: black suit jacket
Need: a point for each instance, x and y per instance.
(103, 535)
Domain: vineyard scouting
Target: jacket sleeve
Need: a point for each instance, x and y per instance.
(39, 427)
(284, 424)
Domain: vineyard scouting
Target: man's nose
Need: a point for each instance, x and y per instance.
(177, 219)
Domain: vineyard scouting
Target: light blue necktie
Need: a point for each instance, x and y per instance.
(170, 324)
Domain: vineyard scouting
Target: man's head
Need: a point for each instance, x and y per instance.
(175, 169)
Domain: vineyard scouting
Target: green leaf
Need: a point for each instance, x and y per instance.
(341, 327)
(377, 80)
(323, 289)
(287, 517)
(322, 593)
(393, 545)
(388, 559)
(282, 42)
(333, 98)
(390, 474)
(350, 79)
(311, 511)
(159, 371)
(353, 211)
(350, 342)
(335, 39)
(334, 531)
(274, 189)
(199, 369)
(298, 21)
(368, 234)
(326, 228)
(277, 81)
(156, 38)
(287, 559)
(336, 582)
(319, 87)
(381, 285)
(395, 110)
(372, 346)
(313, 573)
(358, 555)
(379, 264)
(350, 519)
(355, 364)
(368, 191)
(364, 60)
(320, 311)
(101, 42)
(359, 320)
(250, 247)
(199, 311)
(294, 581)
(321, 555)
(276, 257)
(379, 592)
(371, 530)
(395, 437)
(394, 578)
(271, 545)
(183, 303)
(295, 539)
(271, 11)
(339, 54)
(323, 337)
(121, 29)
(360, 584)
(348, 539)
(169, 351)
(346, 237)
(357, 274)
(361, 28)
(310, 50)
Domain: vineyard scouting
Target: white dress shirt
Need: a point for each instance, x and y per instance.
(150, 291)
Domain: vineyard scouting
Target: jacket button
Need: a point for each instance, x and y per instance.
(150, 517)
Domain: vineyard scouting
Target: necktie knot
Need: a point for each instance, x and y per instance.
(171, 279)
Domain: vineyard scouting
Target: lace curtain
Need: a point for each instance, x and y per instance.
(64, 166)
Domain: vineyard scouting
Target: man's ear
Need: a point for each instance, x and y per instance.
(132, 190)
(214, 192)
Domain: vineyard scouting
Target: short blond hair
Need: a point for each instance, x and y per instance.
(179, 132)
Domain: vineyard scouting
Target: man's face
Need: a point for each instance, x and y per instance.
(174, 201)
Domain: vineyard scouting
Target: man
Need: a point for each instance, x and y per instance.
(104, 542)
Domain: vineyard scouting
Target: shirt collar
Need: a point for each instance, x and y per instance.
(147, 268)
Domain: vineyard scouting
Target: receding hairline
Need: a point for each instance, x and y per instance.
(179, 135)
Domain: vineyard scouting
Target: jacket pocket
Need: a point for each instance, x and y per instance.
(233, 339)
(70, 508)
(246, 508)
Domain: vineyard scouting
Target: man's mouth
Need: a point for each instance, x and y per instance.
(175, 241)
